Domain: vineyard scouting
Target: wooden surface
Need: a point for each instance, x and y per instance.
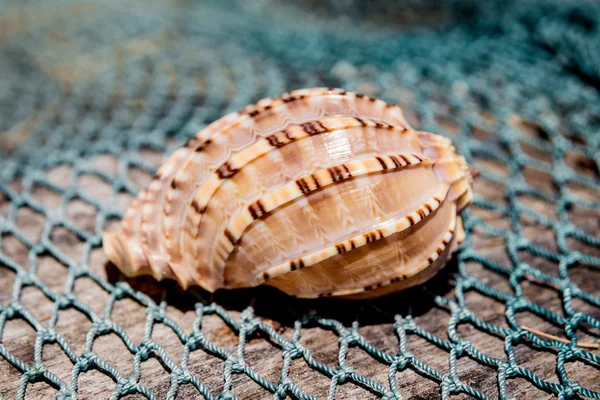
(375, 317)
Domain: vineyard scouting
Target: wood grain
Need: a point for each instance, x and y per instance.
(375, 318)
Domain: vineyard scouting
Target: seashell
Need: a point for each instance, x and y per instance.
(320, 192)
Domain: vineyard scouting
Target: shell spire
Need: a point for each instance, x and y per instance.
(319, 192)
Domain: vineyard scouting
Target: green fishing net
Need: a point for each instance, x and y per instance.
(95, 94)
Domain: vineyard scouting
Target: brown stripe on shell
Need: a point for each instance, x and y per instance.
(303, 186)
(273, 141)
(132, 233)
(256, 209)
(316, 181)
(288, 135)
(171, 183)
(196, 207)
(337, 174)
(227, 123)
(396, 162)
(430, 260)
(313, 127)
(225, 171)
(370, 237)
(383, 164)
(360, 121)
(333, 175)
(203, 146)
(388, 229)
(230, 237)
(205, 192)
(347, 171)
(260, 148)
(147, 232)
(296, 264)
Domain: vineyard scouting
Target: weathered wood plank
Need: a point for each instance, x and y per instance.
(375, 319)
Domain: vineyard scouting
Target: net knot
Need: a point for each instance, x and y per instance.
(403, 359)
(571, 390)
(182, 376)
(292, 349)
(342, 374)
(459, 348)
(38, 248)
(451, 382)
(565, 285)
(157, 314)
(227, 395)
(407, 323)
(281, 391)
(126, 386)
(517, 303)
(144, 351)
(195, 340)
(118, 291)
(236, 365)
(521, 243)
(102, 326)
(35, 372)
(10, 311)
(65, 300)
(86, 360)
(48, 335)
(26, 279)
(464, 314)
(352, 337)
(63, 395)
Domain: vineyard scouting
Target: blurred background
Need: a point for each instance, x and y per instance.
(76, 71)
(95, 94)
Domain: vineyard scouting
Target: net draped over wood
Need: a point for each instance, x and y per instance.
(95, 94)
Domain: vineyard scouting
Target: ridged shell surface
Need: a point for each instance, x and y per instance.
(320, 192)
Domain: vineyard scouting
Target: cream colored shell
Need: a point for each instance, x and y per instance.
(320, 192)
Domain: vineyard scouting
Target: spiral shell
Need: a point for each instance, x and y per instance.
(320, 192)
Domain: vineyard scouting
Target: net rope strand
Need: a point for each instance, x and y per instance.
(147, 77)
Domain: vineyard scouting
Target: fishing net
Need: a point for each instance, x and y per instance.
(95, 94)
